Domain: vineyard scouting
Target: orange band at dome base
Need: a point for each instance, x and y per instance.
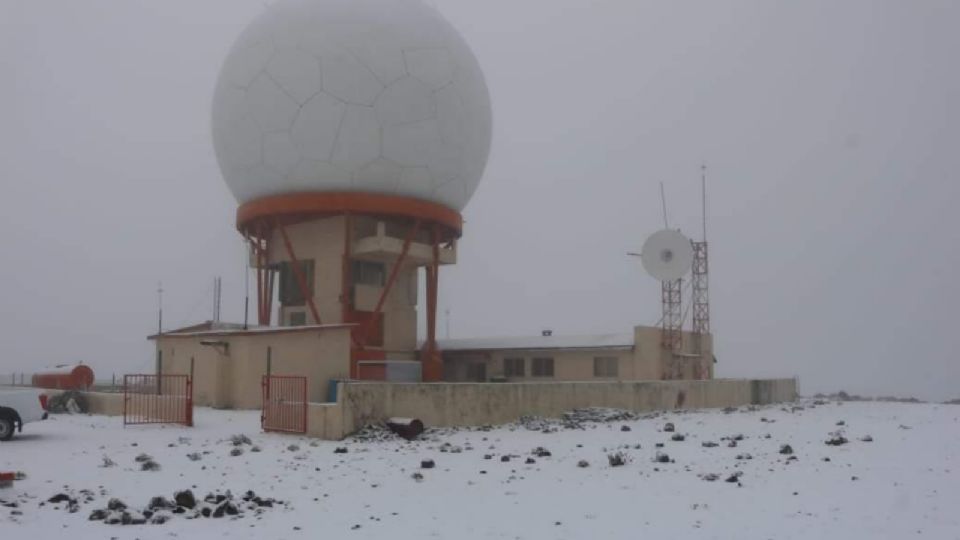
(307, 205)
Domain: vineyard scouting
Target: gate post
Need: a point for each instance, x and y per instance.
(189, 411)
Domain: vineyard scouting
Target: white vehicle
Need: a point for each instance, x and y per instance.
(19, 407)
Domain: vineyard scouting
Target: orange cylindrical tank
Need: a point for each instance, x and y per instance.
(78, 377)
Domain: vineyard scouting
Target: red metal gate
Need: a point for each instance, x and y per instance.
(284, 404)
(157, 399)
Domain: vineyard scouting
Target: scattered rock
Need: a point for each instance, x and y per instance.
(541, 452)
(710, 477)
(836, 440)
(530, 461)
(678, 437)
(160, 503)
(661, 457)
(71, 401)
(417, 476)
(240, 439)
(786, 449)
(669, 427)
(505, 459)
(98, 515)
(185, 499)
(625, 428)
(427, 464)
(708, 444)
(296, 448)
(149, 465)
(734, 478)
(340, 450)
(583, 463)
(618, 459)
(866, 438)
(236, 451)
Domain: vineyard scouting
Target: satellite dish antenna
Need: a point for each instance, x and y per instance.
(667, 255)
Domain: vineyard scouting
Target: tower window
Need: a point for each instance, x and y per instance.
(290, 293)
(369, 273)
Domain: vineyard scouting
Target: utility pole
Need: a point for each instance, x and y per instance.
(159, 333)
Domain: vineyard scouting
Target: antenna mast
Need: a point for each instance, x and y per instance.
(701, 289)
(663, 204)
(216, 299)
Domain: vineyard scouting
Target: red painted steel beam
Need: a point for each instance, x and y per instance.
(394, 271)
(433, 276)
(345, 282)
(301, 281)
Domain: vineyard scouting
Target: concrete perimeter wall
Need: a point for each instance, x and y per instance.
(473, 404)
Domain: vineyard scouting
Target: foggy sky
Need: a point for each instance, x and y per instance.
(830, 132)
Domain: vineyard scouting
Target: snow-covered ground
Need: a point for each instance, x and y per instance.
(903, 484)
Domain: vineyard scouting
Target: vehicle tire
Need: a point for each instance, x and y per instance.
(6, 428)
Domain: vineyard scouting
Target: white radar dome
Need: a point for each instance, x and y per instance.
(379, 96)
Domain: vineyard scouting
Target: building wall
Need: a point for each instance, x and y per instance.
(645, 361)
(231, 377)
(322, 241)
(568, 364)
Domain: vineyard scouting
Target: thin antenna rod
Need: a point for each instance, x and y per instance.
(663, 202)
(703, 197)
(159, 307)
